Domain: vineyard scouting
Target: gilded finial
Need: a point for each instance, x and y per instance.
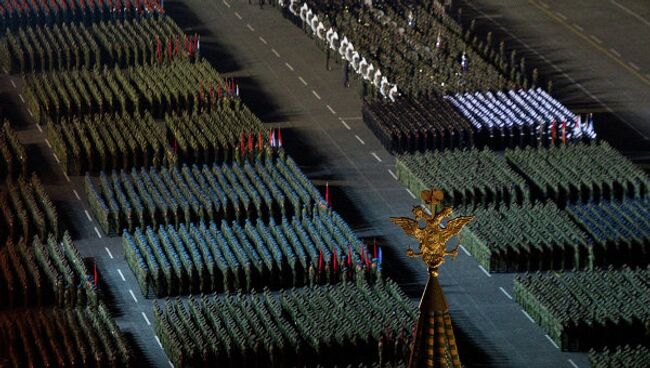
(432, 238)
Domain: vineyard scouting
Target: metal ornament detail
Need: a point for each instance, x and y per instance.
(432, 238)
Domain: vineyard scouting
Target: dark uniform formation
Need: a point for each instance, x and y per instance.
(590, 309)
(324, 326)
(621, 356)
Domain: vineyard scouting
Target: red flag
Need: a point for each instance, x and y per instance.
(201, 91)
(564, 132)
(363, 255)
(158, 50)
(242, 143)
(279, 138)
(185, 43)
(95, 273)
(327, 193)
(250, 142)
(170, 49)
(260, 141)
(335, 261)
(374, 253)
(320, 261)
(272, 138)
(177, 45)
(218, 90)
(553, 132)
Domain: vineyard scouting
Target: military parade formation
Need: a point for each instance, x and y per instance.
(209, 209)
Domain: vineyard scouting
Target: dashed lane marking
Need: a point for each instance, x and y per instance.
(56, 158)
(465, 250)
(170, 363)
(302, 80)
(133, 295)
(250, 27)
(121, 275)
(505, 293)
(375, 156)
(108, 250)
(146, 319)
(13, 83)
(67, 178)
(345, 124)
(315, 94)
(618, 54)
(544, 4)
(573, 364)
(226, 3)
(76, 194)
(359, 139)
(564, 17)
(578, 27)
(263, 40)
(88, 216)
(598, 40)
(6, 71)
(484, 271)
(552, 342)
(158, 341)
(528, 316)
(38, 126)
(238, 16)
(392, 174)
(289, 66)
(48, 143)
(99, 235)
(331, 110)
(275, 52)
(634, 66)
(21, 97)
(410, 193)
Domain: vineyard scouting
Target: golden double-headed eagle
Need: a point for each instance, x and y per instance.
(432, 238)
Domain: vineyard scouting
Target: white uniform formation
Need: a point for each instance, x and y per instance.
(522, 108)
(346, 50)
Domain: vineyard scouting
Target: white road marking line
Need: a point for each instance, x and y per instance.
(573, 363)
(146, 319)
(48, 143)
(552, 342)
(88, 215)
(528, 316)
(578, 27)
(410, 193)
(647, 76)
(226, 3)
(170, 363)
(56, 158)
(302, 80)
(615, 52)
(250, 27)
(392, 174)
(634, 66)
(237, 15)
(505, 292)
(21, 97)
(630, 12)
(315, 94)
(465, 250)
(289, 66)
(108, 250)
(275, 52)
(158, 341)
(133, 295)
(38, 126)
(6, 71)
(375, 156)
(13, 83)
(359, 139)
(544, 4)
(76, 194)
(67, 178)
(263, 40)
(121, 274)
(564, 17)
(598, 40)
(331, 110)
(484, 271)
(345, 124)
(99, 235)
